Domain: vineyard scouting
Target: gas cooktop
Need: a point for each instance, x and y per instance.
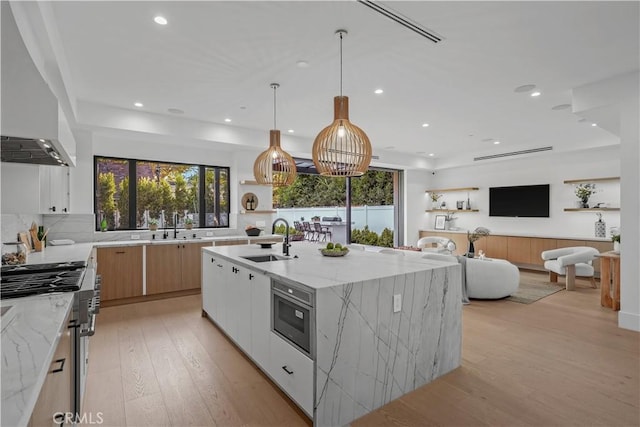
(33, 279)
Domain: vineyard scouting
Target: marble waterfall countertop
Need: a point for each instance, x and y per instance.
(308, 267)
(369, 353)
(29, 340)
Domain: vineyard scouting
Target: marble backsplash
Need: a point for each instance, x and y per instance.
(12, 224)
(81, 228)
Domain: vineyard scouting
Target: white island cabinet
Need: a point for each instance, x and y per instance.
(237, 299)
(365, 350)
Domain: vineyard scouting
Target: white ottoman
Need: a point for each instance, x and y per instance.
(491, 278)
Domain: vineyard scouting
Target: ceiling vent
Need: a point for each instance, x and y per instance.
(513, 153)
(405, 22)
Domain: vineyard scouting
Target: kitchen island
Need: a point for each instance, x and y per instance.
(382, 325)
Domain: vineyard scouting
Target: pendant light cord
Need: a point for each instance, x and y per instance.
(340, 64)
(274, 106)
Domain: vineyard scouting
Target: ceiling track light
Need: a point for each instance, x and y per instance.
(274, 166)
(342, 148)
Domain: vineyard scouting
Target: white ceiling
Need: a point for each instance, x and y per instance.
(216, 60)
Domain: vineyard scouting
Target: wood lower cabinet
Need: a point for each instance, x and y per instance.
(174, 267)
(492, 246)
(538, 246)
(55, 398)
(121, 272)
(519, 250)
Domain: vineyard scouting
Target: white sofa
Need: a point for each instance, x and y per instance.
(490, 278)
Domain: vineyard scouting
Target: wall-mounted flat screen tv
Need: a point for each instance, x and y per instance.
(530, 201)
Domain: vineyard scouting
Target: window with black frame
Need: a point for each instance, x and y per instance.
(165, 194)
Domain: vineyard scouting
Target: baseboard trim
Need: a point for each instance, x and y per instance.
(629, 321)
(144, 298)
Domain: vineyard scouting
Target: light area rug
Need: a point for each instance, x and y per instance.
(529, 292)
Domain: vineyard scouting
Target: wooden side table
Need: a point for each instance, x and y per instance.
(610, 280)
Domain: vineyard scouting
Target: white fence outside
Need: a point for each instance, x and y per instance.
(376, 217)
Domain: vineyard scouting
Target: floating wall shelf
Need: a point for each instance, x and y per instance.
(588, 180)
(590, 209)
(452, 210)
(249, 182)
(448, 190)
(269, 211)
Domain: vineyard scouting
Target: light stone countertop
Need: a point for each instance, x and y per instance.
(116, 243)
(52, 254)
(316, 271)
(29, 342)
(30, 339)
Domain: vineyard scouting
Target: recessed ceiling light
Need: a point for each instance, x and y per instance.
(431, 154)
(302, 63)
(160, 20)
(378, 91)
(290, 131)
(496, 142)
(227, 120)
(59, 161)
(41, 140)
(524, 88)
(535, 94)
(242, 107)
(138, 104)
(594, 124)
(561, 107)
(425, 125)
(175, 111)
(46, 145)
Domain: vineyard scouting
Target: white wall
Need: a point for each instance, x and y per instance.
(415, 218)
(551, 169)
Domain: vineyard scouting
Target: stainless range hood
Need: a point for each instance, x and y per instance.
(30, 111)
(29, 150)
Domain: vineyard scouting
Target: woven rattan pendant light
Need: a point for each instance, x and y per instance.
(275, 166)
(342, 148)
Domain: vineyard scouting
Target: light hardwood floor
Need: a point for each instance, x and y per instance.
(557, 362)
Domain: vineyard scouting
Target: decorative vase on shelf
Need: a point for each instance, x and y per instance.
(600, 228)
(471, 252)
(585, 203)
(616, 246)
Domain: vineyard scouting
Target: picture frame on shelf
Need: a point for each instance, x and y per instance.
(441, 220)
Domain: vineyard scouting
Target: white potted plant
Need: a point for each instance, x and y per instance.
(583, 192)
(434, 200)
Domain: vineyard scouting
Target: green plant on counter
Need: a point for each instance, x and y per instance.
(615, 238)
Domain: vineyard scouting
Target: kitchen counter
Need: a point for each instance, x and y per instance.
(368, 352)
(316, 271)
(28, 345)
(64, 253)
(160, 241)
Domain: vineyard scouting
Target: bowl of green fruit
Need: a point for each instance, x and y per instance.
(334, 249)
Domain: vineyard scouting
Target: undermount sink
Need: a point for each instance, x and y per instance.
(265, 258)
